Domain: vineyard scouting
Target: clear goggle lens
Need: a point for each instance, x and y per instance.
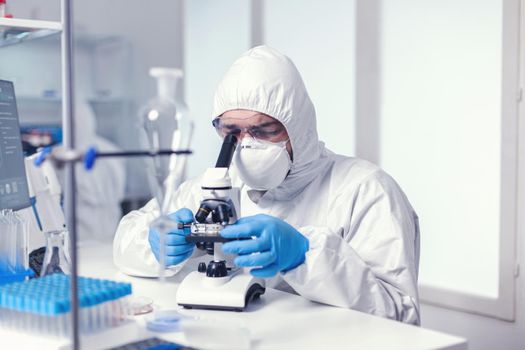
(272, 131)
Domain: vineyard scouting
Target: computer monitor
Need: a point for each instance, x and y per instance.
(14, 193)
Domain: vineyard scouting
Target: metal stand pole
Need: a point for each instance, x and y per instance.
(68, 96)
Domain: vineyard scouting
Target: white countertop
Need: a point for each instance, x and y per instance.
(277, 321)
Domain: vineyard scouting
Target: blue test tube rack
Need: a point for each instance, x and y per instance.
(43, 305)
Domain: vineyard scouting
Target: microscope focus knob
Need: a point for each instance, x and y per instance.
(217, 269)
(202, 267)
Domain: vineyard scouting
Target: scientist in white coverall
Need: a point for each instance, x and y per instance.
(334, 229)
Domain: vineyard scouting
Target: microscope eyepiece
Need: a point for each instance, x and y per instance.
(227, 151)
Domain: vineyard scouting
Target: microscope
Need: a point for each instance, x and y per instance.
(216, 285)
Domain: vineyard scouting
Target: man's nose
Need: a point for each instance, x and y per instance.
(244, 134)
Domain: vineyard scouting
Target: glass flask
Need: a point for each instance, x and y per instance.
(56, 258)
(167, 126)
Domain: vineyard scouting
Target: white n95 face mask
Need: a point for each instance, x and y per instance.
(262, 165)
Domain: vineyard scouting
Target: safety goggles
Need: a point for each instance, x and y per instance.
(271, 131)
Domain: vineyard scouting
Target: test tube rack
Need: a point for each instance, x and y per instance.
(43, 305)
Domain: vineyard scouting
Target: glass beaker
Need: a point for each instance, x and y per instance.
(56, 258)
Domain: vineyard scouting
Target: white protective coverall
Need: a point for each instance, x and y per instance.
(101, 189)
(363, 232)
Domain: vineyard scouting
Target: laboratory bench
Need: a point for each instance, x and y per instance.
(278, 320)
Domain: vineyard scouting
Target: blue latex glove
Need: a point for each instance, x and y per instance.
(177, 249)
(280, 246)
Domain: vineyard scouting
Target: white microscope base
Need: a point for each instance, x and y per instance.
(225, 293)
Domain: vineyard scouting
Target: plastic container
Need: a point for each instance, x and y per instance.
(14, 257)
(139, 305)
(165, 321)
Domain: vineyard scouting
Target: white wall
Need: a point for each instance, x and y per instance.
(319, 38)
(216, 33)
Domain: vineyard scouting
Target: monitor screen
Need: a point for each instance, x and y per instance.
(14, 193)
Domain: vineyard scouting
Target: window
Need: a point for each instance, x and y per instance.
(448, 81)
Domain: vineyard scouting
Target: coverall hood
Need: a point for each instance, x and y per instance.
(266, 81)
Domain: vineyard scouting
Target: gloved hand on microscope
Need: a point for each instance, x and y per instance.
(276, 245)
(177, 249)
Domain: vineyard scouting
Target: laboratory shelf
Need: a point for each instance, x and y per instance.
(25, 100)
(14, 30)
(87, 40)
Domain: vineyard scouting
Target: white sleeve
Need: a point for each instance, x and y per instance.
(372, 266)
(131, 249)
